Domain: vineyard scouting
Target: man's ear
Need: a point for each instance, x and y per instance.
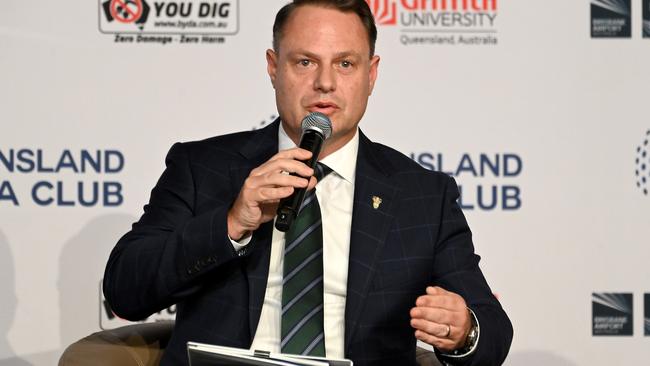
(271, 65)
(374, 65)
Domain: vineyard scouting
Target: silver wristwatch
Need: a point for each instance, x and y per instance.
(472, 337)
(470, 341)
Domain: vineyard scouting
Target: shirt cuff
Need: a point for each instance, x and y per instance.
(457, 353)
(241, 244)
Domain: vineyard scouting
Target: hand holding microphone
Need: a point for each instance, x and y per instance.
(316, 128)
(267, 184)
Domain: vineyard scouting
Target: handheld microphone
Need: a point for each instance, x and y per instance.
(316, 128)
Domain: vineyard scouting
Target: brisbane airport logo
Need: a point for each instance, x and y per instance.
(487, 182)
(646, 315)
(611, 19)
(66, 178)
(167, 22)
(439, 22)
(642, 161)
(612, 314)
(108, 319)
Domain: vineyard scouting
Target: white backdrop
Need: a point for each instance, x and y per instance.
(571, 109)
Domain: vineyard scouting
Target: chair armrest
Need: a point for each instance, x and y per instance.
(138, 345)
(144, 344)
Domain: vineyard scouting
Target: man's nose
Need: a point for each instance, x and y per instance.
(325, 81)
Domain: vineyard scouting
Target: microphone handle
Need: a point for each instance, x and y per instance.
(289, 206)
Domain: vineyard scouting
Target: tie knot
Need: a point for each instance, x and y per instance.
(321, 171)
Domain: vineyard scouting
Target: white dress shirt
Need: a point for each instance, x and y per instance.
(335, 194)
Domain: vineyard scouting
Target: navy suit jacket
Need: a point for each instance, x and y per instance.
(179, 253)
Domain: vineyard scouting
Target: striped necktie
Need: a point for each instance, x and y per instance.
(302, 285)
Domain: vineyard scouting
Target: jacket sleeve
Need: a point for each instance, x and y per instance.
(457, 269)
(167, 252)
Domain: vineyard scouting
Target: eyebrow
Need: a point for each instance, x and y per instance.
(338, 55)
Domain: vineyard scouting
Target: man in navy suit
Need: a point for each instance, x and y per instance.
(398, 259)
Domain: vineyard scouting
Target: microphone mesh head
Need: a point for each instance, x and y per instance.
(318, 122)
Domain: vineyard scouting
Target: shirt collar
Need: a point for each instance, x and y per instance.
(342, 161)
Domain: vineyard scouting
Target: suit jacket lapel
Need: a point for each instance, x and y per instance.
(256, 151)
(370, 225)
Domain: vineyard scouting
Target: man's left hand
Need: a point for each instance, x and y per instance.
(441, 319)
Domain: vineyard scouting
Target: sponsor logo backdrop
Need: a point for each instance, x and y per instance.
(537, 108)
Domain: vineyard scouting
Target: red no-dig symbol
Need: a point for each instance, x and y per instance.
(126, 11)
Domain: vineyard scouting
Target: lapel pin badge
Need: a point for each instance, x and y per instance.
(376, 201)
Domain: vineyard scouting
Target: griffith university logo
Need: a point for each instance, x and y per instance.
(439, 22)
(611, 19)
(612, 314)
(385, 11)
(643, 164)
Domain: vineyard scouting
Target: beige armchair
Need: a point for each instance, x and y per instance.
(143, 345)
(137, 345)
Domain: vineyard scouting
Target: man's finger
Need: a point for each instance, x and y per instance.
(312, 183)
(433, 328)
(443, 344)
(269, 195)
(433, 314)
(280, 180)
(283, 165)
(436, 290)
(295, 153)
(253, 184)
(441, 301)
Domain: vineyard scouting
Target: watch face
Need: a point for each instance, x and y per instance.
(471, 336)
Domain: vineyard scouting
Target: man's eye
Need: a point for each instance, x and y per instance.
(346, 64)
(305, 63)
